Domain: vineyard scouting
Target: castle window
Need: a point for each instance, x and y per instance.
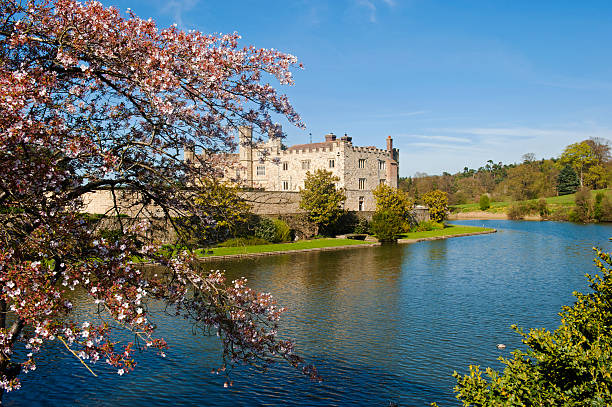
(361, 199)
(362, 183)
(285, 166)
(306, 164)
(261, 170)
(331, 163)
(381, 165)
(362, 163)
(285, 185)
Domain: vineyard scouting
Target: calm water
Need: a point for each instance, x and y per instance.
(385, 324)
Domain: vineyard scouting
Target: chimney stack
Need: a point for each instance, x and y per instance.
(389, 144)
(330, 137)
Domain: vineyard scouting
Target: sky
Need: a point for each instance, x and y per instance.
(455, 83)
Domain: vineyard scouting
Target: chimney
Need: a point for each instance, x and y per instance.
(389, 143)
(330, 137)
(346, 138)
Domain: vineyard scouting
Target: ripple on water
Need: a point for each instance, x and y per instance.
(383, 324)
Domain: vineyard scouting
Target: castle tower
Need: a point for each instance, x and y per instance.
(245, 152)
(392, 164)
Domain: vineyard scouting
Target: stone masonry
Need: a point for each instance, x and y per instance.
(271, 166)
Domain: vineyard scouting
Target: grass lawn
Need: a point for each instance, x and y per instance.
(500, 207)
(447, 231)
(300, 245)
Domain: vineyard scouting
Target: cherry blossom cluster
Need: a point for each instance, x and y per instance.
(93, 99)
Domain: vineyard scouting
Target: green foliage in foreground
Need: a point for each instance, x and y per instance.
(571, 366)
(300, 245)
(450, 230)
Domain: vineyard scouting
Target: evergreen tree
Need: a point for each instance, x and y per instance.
(567, 181)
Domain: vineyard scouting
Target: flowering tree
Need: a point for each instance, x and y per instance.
(93, 99)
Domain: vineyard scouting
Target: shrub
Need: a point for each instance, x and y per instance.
(346, 223)
(606, 209)
(543, 208)
(583, 210)
(363, 226)
(387, 226)
(484, 202)
(429, 225)
(273, 230)
(515, 212)
(567, 367)
(438, 204)
(283, 231)
(597, 207)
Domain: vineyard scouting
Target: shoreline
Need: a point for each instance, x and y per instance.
(344, 247)
(482, 215)
(422, 239)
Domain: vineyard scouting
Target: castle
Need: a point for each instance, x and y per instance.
(271, 166)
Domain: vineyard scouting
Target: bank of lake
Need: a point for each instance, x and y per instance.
(337, 243)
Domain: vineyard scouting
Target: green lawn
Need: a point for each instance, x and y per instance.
(300, 245)
(500, 207)
(447, 231)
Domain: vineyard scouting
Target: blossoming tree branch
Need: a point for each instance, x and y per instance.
(92, 99)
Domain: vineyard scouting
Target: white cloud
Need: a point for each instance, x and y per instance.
(371, 7)
(177, 8)
(528, 132)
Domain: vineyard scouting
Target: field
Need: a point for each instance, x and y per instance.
(554, 202)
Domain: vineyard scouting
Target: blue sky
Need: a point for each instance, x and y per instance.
(455, 83)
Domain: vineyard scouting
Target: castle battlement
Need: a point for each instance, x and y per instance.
(272, 167)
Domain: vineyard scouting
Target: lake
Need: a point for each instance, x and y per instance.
(383, 325)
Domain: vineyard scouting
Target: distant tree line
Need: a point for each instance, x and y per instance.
(586, 164)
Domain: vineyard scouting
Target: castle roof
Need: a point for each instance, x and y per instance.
(311, 145)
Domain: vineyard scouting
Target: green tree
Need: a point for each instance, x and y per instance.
(220, 202)
(438, 205)
(485, 202)
(389, 199)
(394, 200)
(321, 199)
(581, 157)
(567, 181)
(387, 226)
(571, 366)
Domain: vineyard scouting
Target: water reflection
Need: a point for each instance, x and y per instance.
(383, 324)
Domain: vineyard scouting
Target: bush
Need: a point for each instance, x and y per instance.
(428, 225)
(438, 204)
(273, 230)
(597, 207)
(243, 241)
(583, 210)
(484, 202)
(515, 212)
(567, 367)
(387, 226)
(346, 223)
(543, 208)
(363, 226)
(606, 209)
